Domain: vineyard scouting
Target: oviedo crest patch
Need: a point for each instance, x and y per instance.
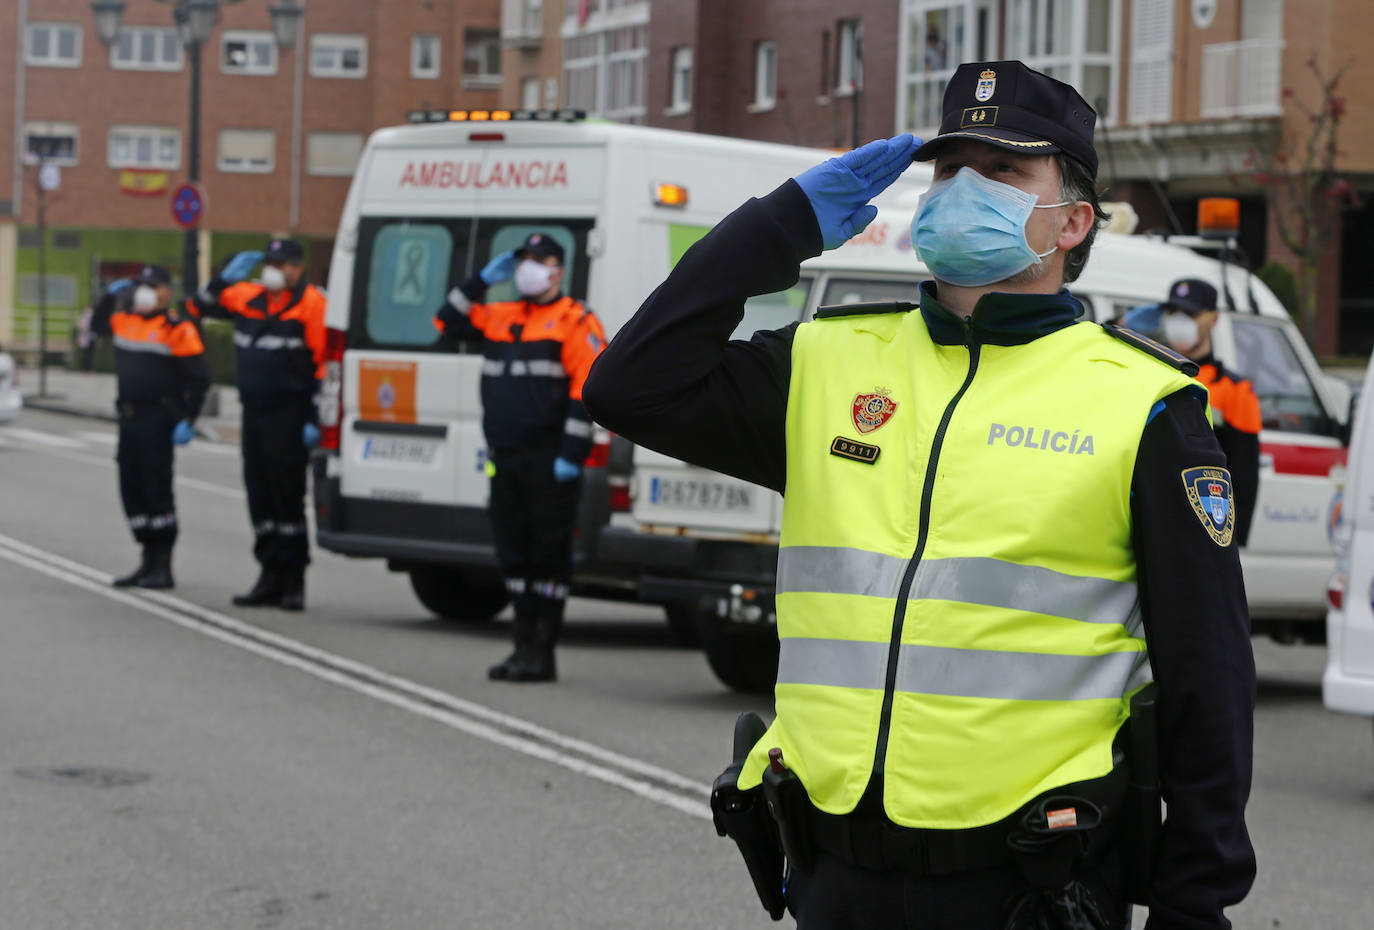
(1209, 493)
(873, 410)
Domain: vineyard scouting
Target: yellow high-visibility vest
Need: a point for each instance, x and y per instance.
(956, 590)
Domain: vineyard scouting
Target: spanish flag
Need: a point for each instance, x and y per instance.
(143, 182)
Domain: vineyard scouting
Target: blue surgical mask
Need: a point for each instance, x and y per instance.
(971, 230)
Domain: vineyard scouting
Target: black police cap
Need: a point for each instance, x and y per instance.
(1011, 106)
(283, 250)
(540, 246)
(1192, 296)
(153, 275)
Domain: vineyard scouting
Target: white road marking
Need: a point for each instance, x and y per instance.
(90, 435)
(184, 481)
(43, 439)
(640, 778)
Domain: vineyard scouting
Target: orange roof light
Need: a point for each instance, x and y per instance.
(458, 116)
(500, 115)
(670, 195)
(1218, 217)
(479, 115)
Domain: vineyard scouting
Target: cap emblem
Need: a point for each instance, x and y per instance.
(987, 86)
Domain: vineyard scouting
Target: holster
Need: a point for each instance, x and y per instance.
(791, 808)
(1142, 818)
(743, 816)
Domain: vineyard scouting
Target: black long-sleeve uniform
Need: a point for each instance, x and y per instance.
(672, 380)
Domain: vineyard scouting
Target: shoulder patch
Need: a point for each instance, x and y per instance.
(868, 309)
(1147, 345)
(1209, 493)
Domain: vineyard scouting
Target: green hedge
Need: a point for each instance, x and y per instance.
(218, 336)
(1283, 282)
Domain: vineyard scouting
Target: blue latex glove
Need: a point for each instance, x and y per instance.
(120, 286)
(238, 267)
(1147, 320)
(563, 470)
(501, 268)
(183, 433)
(840, 189)
(310, 435)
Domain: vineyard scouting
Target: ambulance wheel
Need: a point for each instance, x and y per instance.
(684, 620)
(455, 594)
(745, 659)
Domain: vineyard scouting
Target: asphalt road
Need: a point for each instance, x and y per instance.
(170, 761)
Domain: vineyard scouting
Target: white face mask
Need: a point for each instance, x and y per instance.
(273, 278)
(1181, 331)
(145, 299)
(532, 278)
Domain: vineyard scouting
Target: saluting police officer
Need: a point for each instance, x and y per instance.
(162, 377)
(537, 352)
(1000, 523)
(280, 334)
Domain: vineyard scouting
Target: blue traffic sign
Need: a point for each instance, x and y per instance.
(188, 205)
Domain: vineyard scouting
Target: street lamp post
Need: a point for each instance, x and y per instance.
(195, 20)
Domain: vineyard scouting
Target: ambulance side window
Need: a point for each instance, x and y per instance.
(773, 311)
(407, 281)
(869, 290)
(1288, 401)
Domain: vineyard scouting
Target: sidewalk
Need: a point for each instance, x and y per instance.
(92, 394)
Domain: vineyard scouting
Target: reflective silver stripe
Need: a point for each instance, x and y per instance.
(162, 521)
(837, 570)
(518, 369)
(1017, 676)
(493, 367)
(838, 663)
(265, 527)
(549, 590)
(976, 673)
(515, 585)
(995, 583)
(136, 345)
(244, 341)
(580, 428)
(547, 368)
(459, 301)
(292, 529)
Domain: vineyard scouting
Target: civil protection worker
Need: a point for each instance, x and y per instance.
(1185, 321)
(279, 333)
(537, 351)
(1001, 523)
(162, 379)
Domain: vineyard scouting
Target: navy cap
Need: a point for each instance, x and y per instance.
(154, 275)
(283, 250)
(1192, 296)
(539, 246)
(1011, 106)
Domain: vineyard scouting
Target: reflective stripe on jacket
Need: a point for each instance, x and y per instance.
(159, 359)
(279, 336)
(967, 598)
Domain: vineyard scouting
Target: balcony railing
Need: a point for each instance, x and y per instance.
(522, 23)
(1242, 78)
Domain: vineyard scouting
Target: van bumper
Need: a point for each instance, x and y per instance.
(685, 568)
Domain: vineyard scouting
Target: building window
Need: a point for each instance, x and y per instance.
(250, 151)
(424, 56)
(582, 64)
(626, 61)
(765, 75)
(1071, 40)
(529, 93)
(1152, 61)
(144, 147)
(849, 68)
(681, 80)
(248, 53)
(53, 45)
(59, 290)
(338, 56)
(481, 57)
(146, 48)
(54, 142)
(333, 153)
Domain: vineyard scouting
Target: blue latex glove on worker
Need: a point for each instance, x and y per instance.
(238, 267)
(1147, 320)
(839, 189)
(183, 433)
(501, 268)
(564, 471)
(310, 435)
(120, 286)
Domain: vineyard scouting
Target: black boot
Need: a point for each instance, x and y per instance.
(159, 573)
(524, 644)
(135, 576)
(266, 591)
(293, 589)
(537, 664)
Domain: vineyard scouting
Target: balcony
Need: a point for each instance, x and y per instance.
(1242, 79)
(522, 23)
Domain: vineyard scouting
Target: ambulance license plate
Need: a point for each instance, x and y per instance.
(400, 449)
(698, 494)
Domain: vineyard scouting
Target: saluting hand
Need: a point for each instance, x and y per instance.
(238, 267)
(499, 269)
(840, 188)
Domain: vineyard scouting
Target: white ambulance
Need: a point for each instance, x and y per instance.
(402, 477)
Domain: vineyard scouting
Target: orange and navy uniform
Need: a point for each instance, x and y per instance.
(535, 360)
(280, 337)
(1237, 421)
(159, 360)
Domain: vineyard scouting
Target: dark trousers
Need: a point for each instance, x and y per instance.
(532, 519)
(275, 461)
(145, 474)
(839, 896)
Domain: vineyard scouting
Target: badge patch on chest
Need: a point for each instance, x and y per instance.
(873, 410)
(1209, 493)
(855, 451)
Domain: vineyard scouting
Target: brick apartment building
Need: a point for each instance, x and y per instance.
(281, 130)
